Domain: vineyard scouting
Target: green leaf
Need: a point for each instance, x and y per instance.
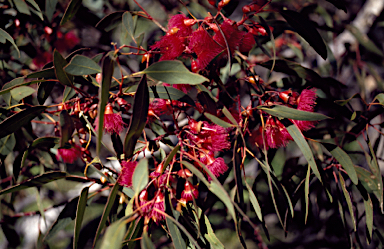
(305, 29)
(173, 72)
(45, 73)
(81, 65)
(140, 176)
(166, 92)
(229, 116)
(107, 210)
(281, 111)
(22, 7)
(139, 118)
(7, 144)
(71, 11)
(217, 120)
(50, 7)
(127, 28)
(114, 235)
(364, 40)
(368, 180)
(369, 216)
(171, 156)
(36, 6)
(6, 36)
(220, 192)
(146, 242)
(254, 202)
(374, 166)
(306, 193)
(43, 91)
(214, 242)
(303, 145)
(380, 98)
(81, 206)
(340, 4)
(18, 120)
(21, 92)
(108, 66)
(36, 181)
(110, 21)
(41, 142)
(178, 241)
(66, 127)
(343, 158)
(59, 62)
(349, 202)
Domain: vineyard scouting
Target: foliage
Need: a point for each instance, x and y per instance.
(198, 126)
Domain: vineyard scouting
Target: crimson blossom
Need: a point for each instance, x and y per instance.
(113, 122)
(69, 155)
(126, 173)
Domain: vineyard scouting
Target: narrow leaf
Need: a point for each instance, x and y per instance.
(303, 145)
(364, 40)
(229, 116)
(6, 36)
(110, 21)
(81, 65)
(36, 6)
(173, 72)
(196, 172)
(220, 192)
(306, 193)
(349, 202)
(50, 7)
(146, 242)
(291, 113)
(139, 118)
(66, 127)
(369, 216)
(108, 66)
(81, 206)
(7, 144)
(171, 156)
(140, 176)
(22, 7)
(254, 202)
(71, 11)
(114, 235)
(343, 158)
(214, 242)
(59, 62)
(380, 98)
(107, 210)
(218, 121)
(36, 181)
(166, 92)
(305, 29)
(18, 120)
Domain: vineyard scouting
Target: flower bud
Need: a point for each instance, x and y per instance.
(98, 78)
(195, 126)
(189, 22)
(108, 109)
(184, 173)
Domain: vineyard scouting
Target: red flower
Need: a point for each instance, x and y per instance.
(247, 42)
(126, 173)
(159, 204)
(190, 192)
(275, 134)
(306, 102)
(66, 42)
(178, 21)
(231, 33)
(160, 107)
(216, 166)
(113, 122)
(69, 155)
(182, 87)
(41, 59)
(203, 45)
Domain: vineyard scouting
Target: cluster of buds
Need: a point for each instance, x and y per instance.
(274, 134)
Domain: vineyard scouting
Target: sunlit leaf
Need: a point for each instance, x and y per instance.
(140, 176)
(81, 65)
(21, 92)
(173, 72)
(214, 242)
(114, 235)
(380, 98)
(254, 202)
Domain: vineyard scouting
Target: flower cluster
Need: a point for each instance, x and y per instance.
(274, 133)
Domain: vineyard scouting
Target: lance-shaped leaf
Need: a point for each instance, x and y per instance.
(114, 235)
(345, 161)
(348, 199)
(21, 92)
(110, 21)
(166, 92)
(66, 127)
(81, 205)
(173, 72)
(81, 65)
(303, 145)
(36, 181)
(307, 30)
(306, 193)
(127, 28)
(108, 66)
(146, 242)
(140, 176)
(12, 84)
(71, 11)
(281, 111)
(218, 121)
(177, 239)
(369, 216)
(255, 203)
(7, 144)
(107, 210)
(59, 62)
(139, 117)
(5, 36)
(214, 242)
(374, 166)
(368, 180)
(44, 90)
(47, 142)
(45, 73)
(340, 4)
(18, 120)
(171, 156)
(364, 40)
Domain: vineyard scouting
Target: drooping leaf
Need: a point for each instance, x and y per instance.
(369, 216)
(254, 202)
(114, 235)
(364, 40)
(171, 156)
(38, 10)
(82, 65)
(291, 113)
(66, 127)
(108, 66)
(50, 7)
(217, 120)
(303, 145)
(71, 11)
(196, 172)
(178, 241)
(127, 28)
(305, 29)
(374, 166)
(229, 116)
(173, 72)
(220, 192)
(21, 92)
(44, 73)
(166, 92)
(41, 142)
(107, 210)
(110, 21)
(368, 180)
(36, 181)
(214, 242)
(306, 193)
(44, 90)
(140, 176)
(59, 62)
(22, 7)
(139, 118)
(345, 161)
(81, 206)
(348, 199)
(18, 120)
(7, 144)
